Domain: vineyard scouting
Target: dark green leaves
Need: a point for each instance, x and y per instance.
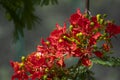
(107, 61)
(79, 72)
(21, 12)
(47, 2)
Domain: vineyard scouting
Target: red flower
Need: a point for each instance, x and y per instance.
(62, 44)
(56, 35)
(106, 47)
(19, 73)
(86, 62)
(82, 23)
(96, 35)
(35, 65)
(94, 38)
(92, 41)
(40, 48)
(15, 65)
(98, 54)
(61, 62)
(37, 75)
(112, 29)
(75, 18)
(77, 53)
(95, 24)
(51, 60)
(36, 60)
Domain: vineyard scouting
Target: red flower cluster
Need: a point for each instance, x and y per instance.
(80, 40)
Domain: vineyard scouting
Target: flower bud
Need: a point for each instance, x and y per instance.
(46, 70)
(104, 15)
(104, 38)
(98, 17)
(105, 23)
(60, 40)
(95, 46)
(47, 42)
(45, 77)
(79, 34)
(71, 27)
(23, 58)
(106, 47)
(101, 21)
(21, 65)
(86, 15)
(66, 38)
(92, 24)
(86, 62)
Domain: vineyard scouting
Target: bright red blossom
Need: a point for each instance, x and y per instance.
(80, 41)
(106, 47)
(86, 62)
(98, 54)
(75, 17)
(112, 29)
(19, 73)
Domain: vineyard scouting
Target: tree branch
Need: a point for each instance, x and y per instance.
(87, 6)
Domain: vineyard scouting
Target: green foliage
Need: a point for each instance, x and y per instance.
(88, 75)
(47, 2)
(107, 61)
(80, 73)
(21, 12)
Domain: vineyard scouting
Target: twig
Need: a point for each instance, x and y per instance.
(87, 6)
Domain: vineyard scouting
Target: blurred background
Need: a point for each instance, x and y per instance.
(50, 15)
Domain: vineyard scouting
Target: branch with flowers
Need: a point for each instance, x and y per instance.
(88, 39)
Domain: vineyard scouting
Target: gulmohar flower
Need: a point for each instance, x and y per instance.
(80, 41)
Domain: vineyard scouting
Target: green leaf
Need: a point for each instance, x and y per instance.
(47, 2)
(54, 2)
(21, 12)
(107, 61)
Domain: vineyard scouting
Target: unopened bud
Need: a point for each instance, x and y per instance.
(79, 34)
(104, 15)
(104, 38)
(101, 37)
(47, 42)
(21, 65)
(86, 15)
(95, 46)
(105, 23)
(71, 27)
(64, 37)
(101, 21)
(92, 24)
(98, 17)
(105, 34)
(23, 58)
(45, 77)
(60, 40)
(73, 40)
(46, 70)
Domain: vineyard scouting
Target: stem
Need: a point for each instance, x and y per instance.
(87, 6)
